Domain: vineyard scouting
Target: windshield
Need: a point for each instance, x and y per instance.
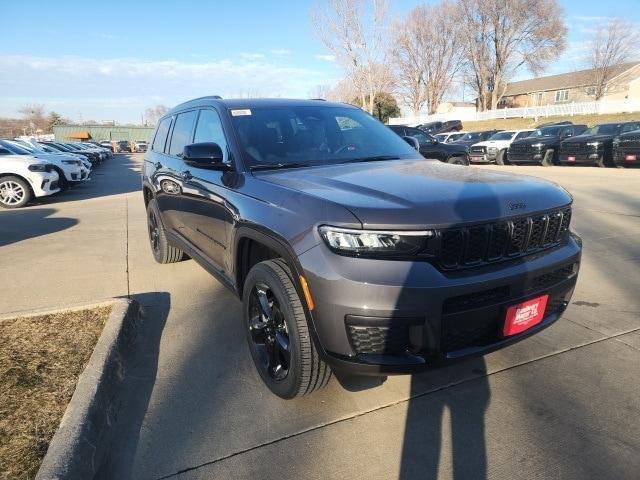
(471, 136)
(606, 129)
(59, 146)
(502, 136)
(314, 135)
(16, 150)
(547, 132)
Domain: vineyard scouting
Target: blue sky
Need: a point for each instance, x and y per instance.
(111, 60)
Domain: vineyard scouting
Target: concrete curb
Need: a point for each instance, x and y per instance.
(87, 426)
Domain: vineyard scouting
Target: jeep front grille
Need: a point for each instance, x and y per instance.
(466, 247)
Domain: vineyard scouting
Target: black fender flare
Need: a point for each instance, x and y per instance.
(279, 245)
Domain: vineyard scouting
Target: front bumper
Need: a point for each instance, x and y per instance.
(382, 317)
(531, 157)
(482, 158)
(627, 157)
(589, 158)
(44, 183)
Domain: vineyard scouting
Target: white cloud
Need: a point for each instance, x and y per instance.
(326, 58)
(252, 56)
(120, 88)
(280, 52)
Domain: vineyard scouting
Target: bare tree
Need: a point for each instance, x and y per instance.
(355, 31)
(614, 42)
(342, 91)
(154, 114)
(426, 55)
(501, 36)
(35, 116)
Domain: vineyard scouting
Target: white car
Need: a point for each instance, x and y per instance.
(70, 170)
(449, 137)
(40, 148)
(24, 177)
(494, 149)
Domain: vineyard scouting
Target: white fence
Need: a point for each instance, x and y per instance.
(584, 108)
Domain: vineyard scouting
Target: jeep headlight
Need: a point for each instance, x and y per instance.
(537, 145)
(375, 242)
(594, 144)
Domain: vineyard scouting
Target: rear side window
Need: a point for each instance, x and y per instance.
(161, 135)
(630, 127)
(418, 135)
(209, 129)
(182, 132)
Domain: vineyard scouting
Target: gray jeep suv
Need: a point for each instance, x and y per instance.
(347, 248)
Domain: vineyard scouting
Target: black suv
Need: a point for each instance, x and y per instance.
(441, 127)
(626, 149)
(542, 146)
(348, 250)
(595, 145)
(430, 147)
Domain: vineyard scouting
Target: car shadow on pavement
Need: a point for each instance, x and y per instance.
(140, 379)
(18, 225)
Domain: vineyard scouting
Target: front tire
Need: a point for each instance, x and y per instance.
(279, 340)
(501, 159)
(547, 161)
(458, 161)
(14, 192)
(162, 251)
(63, 184)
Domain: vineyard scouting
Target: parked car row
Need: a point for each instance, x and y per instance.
(30, 169)
(126, 146)
(562, 143)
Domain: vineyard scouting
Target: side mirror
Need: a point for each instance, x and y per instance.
(204, 155)
(413, 141)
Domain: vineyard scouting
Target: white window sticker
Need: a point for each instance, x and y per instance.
(240, 112)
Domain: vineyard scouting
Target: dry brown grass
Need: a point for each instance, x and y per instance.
(40, 360)
(510, 123)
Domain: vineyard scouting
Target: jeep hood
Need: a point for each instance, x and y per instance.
(492, 143)
(409, 194)
(589, 138)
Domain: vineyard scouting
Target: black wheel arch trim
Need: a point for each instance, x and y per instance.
(279, 245)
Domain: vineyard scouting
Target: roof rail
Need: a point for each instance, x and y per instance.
(319, 99)
(217, 97)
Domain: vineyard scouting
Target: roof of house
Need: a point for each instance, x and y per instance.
(579, 78)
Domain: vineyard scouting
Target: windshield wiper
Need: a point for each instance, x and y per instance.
(372, 158)
(277, 166)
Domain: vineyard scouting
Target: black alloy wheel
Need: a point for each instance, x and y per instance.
(162, 251)
(269, 332)
(280, 343)
(154, 233)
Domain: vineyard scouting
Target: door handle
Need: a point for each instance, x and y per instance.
(186, 175)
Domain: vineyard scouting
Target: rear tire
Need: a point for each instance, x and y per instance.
(277, 333)
(501, 159)
(162, 251)
(14, 192)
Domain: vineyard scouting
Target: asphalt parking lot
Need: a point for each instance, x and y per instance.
(562, 404)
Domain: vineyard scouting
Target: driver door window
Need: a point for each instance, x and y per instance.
(209, 129)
